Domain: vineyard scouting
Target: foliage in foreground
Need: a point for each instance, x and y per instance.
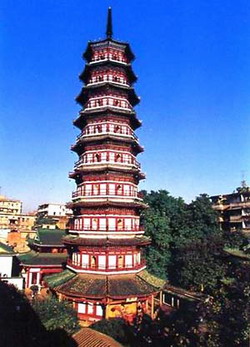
(56, 314)
(20, 326)
(114, 327)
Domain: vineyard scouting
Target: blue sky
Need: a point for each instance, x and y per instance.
(194, 81)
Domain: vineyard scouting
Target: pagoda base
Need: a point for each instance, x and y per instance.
(96, 297)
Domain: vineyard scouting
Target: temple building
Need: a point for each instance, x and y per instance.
(47, 256)
(106, 271)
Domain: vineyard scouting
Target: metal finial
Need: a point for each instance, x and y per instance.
(109, 31)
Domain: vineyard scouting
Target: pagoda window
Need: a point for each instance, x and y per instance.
(94, 224)
(90, 308)
(81, 308)
(119, 224)
(136, 224)
(102, 224)
(126, 190)
(88, 189)
(112, 189)
(117, 129)
(138, 258)
(111, 128)
(99, 310)
(80, 223)
(76, 224)
(103, 156)
(85, 260)
(93, 262)
(111, 223)
(97, 157)
(119, 190)
(112, 261)
(103, 189)
(128, 260)
(118, 158)
(120, 261)
(95, 189)
(135, 259)
(102, 262)
(86, 223)
(126, 158)
(127, 224)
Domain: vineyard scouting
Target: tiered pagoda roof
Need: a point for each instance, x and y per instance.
(105, 241)
(101, 287)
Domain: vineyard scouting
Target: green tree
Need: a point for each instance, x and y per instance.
(56, 314)
(199, 265)
(202, 217)
(172, 224)
(164, 217)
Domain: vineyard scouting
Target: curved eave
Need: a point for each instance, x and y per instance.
(81, 121)
(107, 203)
(89, 50)
(135, 172)
(84, 76)
(83, 97)
(46, 245)
(81, 143)
(111, 286)
(79, 241)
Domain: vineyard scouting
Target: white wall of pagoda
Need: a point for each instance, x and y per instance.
(109, 262)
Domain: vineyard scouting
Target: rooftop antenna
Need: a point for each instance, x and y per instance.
(109, 31)
(243, 182)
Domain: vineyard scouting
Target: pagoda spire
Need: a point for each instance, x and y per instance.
(109, 31)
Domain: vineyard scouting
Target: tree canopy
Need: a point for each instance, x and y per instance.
(190, 251)
(56, 314)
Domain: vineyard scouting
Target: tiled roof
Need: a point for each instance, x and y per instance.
(49, 237)
(100, 286)
(153, 280)
(33, 258)
(106, 242)
(59, 278)
(5, 250)
(87, 337)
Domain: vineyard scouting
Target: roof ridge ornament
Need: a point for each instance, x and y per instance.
(109, 31)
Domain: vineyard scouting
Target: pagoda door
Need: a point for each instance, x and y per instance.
(94, 224)
(119, 224)
(120, 261)
(93, 262)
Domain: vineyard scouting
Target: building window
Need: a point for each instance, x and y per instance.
(81, 308)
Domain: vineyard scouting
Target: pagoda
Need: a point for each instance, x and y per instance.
(105, 275)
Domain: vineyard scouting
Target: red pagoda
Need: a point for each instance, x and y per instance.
(105, 275)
